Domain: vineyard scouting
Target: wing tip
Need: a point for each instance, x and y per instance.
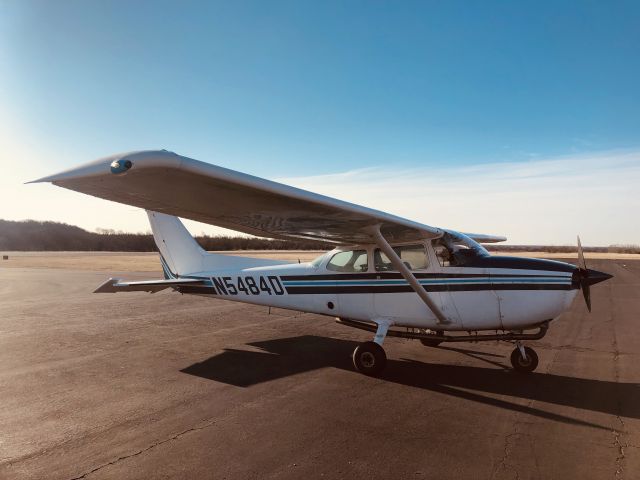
(49, 178)
(102, 165)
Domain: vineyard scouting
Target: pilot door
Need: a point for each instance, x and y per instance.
(395, 298)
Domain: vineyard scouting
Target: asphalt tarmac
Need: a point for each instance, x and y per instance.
(168, 386)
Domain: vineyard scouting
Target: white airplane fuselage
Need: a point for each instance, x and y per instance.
(506, 293)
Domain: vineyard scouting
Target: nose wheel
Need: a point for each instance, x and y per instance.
(369, 358)
(524, 359)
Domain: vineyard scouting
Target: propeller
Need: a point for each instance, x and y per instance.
(587, 277)
(583, 272)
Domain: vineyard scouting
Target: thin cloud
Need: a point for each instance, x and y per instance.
(538, 201)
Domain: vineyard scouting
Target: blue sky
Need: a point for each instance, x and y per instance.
(288, 89)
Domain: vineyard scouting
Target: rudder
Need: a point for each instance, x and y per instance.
(180, 252)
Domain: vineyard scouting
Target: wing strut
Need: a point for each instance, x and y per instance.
(406, 273)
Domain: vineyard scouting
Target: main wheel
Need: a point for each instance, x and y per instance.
(427, 342)
(520, 364)
(369, 358)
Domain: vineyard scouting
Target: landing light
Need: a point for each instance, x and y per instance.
(120, 166)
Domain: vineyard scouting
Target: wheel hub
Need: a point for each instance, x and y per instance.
(525, 362)
(367, 359)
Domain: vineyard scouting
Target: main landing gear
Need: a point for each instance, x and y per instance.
(369, 358)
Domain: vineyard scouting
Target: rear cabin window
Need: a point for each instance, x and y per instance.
(349, 261)
(413, 256)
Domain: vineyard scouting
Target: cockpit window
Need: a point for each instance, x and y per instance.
(455, 250)
(349, 261)
(413, 256)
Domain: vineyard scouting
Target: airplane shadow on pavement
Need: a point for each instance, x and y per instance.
(283, 357)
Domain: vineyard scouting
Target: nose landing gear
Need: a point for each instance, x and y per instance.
(524, 359)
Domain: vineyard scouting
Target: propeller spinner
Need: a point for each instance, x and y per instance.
(587, 277)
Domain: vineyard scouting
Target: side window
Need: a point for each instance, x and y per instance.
(413, 256)
(350, 261)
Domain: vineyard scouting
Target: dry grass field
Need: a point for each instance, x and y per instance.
(127, 261)
(148, 261)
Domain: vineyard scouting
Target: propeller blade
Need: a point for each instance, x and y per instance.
(581, 262)
(586, 291)
(584, 274)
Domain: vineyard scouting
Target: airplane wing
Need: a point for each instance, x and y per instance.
(115, 285)
(165, 182)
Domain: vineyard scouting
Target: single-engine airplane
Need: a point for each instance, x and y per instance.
(387, 274)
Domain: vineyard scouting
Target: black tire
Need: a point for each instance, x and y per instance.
(427, 342)
(520, 364)
(369, 358)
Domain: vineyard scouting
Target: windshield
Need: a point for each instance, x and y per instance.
(318, 260)
(455, 249)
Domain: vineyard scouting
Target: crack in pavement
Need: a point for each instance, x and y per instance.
(504, 465)
(161, 442)
(208, 423)
(617, 433)
(620, 448)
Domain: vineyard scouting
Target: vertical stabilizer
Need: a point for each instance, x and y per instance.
(181, 255)
(180, 252)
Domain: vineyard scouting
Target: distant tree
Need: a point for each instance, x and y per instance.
(31, 235)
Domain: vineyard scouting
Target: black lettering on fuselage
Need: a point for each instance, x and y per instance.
(219, 286)
(248, 285)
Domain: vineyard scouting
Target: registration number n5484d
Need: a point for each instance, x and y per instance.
(258, 285)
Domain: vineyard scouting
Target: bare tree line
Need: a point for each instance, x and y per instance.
(31, 235)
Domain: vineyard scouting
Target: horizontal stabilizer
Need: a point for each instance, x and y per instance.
(115, 285)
